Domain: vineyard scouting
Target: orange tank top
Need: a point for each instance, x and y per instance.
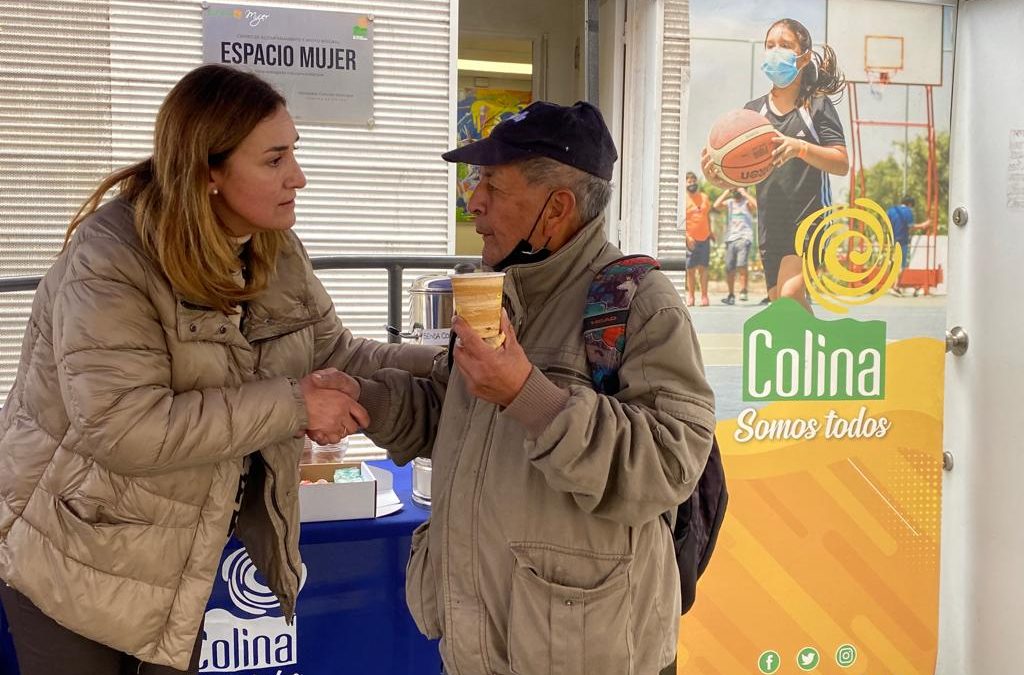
(698, 216)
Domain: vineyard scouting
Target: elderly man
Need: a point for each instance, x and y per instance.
(547, 550)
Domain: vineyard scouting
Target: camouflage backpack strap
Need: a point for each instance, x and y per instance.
(698, 519)
(604, 320)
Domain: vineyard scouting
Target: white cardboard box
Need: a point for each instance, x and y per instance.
(387, 499)
(374, 496)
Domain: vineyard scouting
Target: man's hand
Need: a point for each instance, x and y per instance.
(494, 375)
(331, 404)
(332, 378)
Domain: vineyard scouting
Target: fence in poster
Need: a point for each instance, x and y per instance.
(828, 559)
(322, 62)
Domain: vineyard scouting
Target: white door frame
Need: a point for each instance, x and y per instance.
(641, 137)
(981, 606)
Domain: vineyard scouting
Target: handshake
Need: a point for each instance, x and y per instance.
(332, 407)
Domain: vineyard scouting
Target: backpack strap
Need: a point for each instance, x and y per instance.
(694, 523)
(604, 319)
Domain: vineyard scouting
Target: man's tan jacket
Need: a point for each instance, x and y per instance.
(546, 552)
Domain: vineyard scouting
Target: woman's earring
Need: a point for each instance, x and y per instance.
(215, 191)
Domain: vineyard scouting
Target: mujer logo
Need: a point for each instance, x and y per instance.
(255, 18)
(251, 17)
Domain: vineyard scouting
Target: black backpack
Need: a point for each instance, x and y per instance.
(699, 518)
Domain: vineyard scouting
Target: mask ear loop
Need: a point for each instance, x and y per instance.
(813, 63)
(537, 222)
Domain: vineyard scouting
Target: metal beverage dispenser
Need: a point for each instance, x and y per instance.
(430, 316)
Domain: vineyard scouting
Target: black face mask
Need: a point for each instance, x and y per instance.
(523, 253)
(691, 188)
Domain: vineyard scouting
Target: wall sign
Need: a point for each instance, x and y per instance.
(322, 62)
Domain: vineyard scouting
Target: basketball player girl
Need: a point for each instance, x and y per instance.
(809, 147)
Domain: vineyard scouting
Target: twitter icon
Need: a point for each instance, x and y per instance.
(808, 658)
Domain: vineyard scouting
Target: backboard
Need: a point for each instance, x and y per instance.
(886, 40)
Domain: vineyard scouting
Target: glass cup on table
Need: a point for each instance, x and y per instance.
(332, 453)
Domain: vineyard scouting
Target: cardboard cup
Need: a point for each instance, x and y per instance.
(478, 301)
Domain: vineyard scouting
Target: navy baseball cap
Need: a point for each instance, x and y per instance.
(575, 135)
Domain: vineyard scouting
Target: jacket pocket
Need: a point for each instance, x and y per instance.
(420, 588)
(565, 375)
(96, 513)
(116, 544)
(558, 629)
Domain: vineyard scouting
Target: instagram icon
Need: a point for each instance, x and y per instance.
(846, 655)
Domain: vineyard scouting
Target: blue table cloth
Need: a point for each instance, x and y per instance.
(351, 615)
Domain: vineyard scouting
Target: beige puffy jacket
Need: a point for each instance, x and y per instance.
(122, 440)
(546, 552)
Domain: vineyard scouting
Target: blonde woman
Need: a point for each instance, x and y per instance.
(167, 378)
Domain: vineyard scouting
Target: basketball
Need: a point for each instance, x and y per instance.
(740, 145)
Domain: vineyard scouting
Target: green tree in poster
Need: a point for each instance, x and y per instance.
(884, 179)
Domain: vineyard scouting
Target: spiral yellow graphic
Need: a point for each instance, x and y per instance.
(870, 265)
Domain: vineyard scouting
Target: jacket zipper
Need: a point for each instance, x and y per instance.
(446, 551)
(475, 529)
(287, 547)
(257, 347)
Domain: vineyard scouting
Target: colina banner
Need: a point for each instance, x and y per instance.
(828, 558)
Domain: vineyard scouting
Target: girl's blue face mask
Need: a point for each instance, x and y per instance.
(780, 66)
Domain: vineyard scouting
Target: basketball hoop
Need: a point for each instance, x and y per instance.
(878, 80)
(883, 56)
(883, 43)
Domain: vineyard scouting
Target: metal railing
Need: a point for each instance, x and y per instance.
(395, 266)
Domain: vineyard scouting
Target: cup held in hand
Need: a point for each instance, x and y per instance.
(497, 341)
(478, 301)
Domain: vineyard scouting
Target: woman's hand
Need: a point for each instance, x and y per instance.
(332, 406)
(711, 171)
(787, 148)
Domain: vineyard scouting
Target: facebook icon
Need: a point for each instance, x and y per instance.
(768, 662)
